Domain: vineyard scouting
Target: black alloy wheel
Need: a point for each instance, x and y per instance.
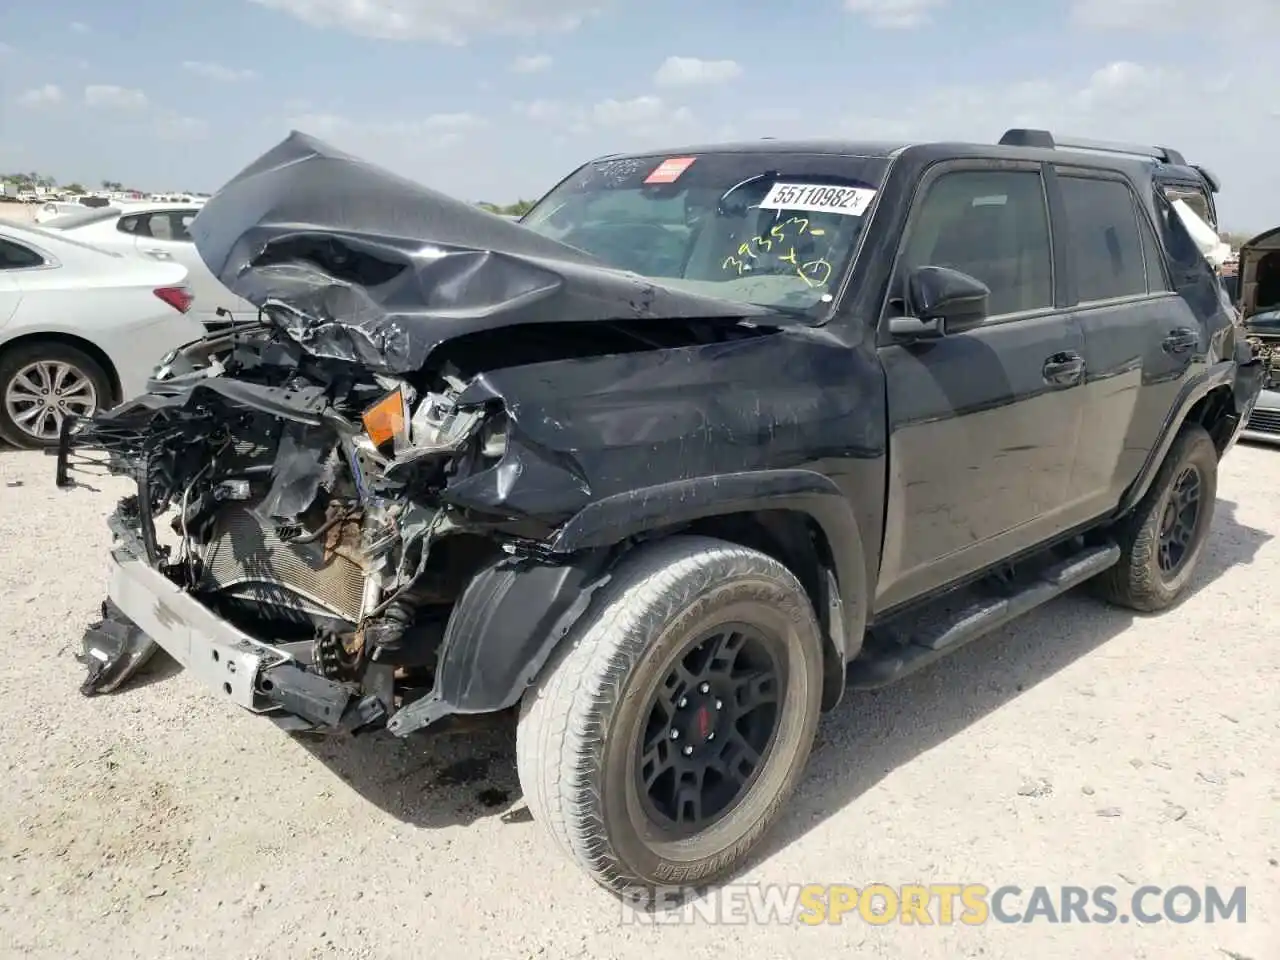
(709, 729)
(1178, 522)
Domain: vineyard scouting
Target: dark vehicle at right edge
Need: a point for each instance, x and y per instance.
(1257, 290)
(711, 437)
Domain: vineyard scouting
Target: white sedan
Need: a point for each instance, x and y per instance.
(158, 231)
(80, 329)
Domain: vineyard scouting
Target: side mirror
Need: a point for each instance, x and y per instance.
(941, 302)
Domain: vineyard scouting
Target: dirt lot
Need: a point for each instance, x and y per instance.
(1081, 746)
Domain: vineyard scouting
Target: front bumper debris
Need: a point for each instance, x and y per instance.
(152, 611)
(114, 650)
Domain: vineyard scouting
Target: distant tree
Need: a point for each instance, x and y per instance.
(75, 188)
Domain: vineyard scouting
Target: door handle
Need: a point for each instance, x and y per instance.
(1064, 368)
(1180, 340)
(158, 254)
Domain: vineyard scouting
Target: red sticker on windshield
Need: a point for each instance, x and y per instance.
(669, 170)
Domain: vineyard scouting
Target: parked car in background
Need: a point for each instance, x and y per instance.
(159, 231)
(80, 328)
(1256, 290)
(60, 208)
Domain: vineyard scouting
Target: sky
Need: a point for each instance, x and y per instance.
(498, 99)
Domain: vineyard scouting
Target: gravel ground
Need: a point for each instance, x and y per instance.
(1080, 746)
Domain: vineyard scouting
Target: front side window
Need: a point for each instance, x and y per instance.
(14, 256)
(992, 225)
(772, 229)
(1102, 230)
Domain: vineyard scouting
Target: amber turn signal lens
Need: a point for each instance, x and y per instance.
(385, 420)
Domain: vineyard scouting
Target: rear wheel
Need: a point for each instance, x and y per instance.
(41, 384)
(1162, 539)
(660, 743)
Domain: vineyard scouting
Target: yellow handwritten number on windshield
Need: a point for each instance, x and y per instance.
(813, 272)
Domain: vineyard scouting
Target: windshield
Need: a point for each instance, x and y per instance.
(772, 229)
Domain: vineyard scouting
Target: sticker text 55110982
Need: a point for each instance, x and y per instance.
(818, 198)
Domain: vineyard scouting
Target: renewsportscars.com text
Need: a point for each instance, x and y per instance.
(943, 904)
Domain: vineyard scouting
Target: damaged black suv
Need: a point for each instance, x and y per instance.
(710, 437)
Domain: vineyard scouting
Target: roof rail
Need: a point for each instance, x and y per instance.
(1018, 137)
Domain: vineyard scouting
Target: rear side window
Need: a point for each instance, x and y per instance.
(14, 256)
(1102, 230)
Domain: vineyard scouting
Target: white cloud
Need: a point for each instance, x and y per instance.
(428, 133)
(78, 27)
(646, 111)
(5, 49)
(443, 21)
(114, 98)
(218, 72)
(547, 111)
(1162, 15)
(173, 126)
(690, 72)
(895, 14)
(46, 95)
(534, 63)
(1123, 101)
(613, 124)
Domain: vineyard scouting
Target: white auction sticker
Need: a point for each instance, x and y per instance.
(818, 198)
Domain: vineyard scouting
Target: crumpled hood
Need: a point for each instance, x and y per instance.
(359, 264)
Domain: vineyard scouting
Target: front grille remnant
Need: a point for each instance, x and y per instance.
(1264, 421)
(245, 558)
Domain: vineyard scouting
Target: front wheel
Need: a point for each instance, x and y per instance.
(1162, 539)
(660, 743)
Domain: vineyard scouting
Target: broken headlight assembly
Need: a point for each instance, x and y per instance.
(409, 430)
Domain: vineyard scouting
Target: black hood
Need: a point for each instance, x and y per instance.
(356, 263)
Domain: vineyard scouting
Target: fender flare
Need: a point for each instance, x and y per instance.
(1220, 374)
(512, 615)
(843, 587)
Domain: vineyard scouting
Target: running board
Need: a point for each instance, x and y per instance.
(904, 644)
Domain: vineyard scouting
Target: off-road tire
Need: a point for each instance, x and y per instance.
(579, 721)
(12, 361)
(1137, 582)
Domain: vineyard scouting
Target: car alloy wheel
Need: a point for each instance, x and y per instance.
(42, 395)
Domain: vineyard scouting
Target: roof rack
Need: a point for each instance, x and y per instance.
(1043, 139)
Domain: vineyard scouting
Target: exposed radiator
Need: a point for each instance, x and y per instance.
(246, 559)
